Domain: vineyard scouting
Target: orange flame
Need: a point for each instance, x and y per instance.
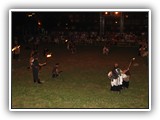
(15, 48)
(49, 55)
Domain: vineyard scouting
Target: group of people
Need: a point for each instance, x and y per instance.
(119, 78)
(85, 38)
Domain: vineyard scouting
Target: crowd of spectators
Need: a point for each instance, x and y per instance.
(93, 38)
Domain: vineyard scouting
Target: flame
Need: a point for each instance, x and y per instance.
(15, 48)
(49, 55)
(66, 40)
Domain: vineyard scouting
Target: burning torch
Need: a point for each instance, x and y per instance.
(15, 48)
(48, 56)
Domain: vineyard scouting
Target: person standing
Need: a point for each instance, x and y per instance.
(116, 81)
(105, 50)
(126, 77)
(35, 69)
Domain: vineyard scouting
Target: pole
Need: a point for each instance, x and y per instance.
(131, 63)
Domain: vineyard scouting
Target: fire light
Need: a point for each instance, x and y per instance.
(16, 47)
(106, 13)
(49, 55)
(39, 23)
(116, 13)
(66, 40)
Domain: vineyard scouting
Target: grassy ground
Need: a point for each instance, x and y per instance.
(83, 82)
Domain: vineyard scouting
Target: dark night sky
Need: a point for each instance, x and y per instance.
(20, 18)
(77, 21)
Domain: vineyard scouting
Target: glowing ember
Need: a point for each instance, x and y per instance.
(66, 40)
(15, 48)
(49, 55)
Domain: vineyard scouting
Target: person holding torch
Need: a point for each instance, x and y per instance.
(35, 68)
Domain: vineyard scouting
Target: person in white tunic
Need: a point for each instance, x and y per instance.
(119, 79)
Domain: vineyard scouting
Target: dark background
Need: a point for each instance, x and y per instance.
(27, 22)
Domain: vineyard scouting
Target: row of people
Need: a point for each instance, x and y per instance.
(85, 37)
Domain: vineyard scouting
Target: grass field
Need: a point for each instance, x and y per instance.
(83, 82)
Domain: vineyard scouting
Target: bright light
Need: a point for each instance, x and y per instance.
(29, 15)
(39, 23)
(15, 48)
(66, 40)
(106, 13)
(49, 55)
(116, 22)
(116, 13)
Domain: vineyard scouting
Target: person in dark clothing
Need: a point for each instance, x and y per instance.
(116, 83)
(126, 78)
(35, 69)
(116, 71)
